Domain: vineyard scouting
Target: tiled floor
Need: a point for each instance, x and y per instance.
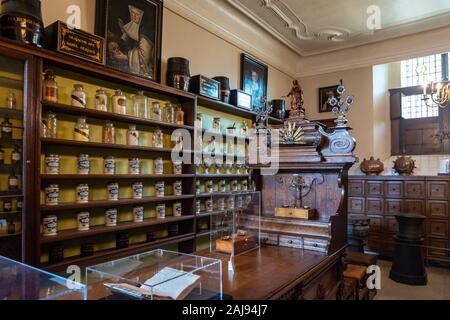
(438, 287)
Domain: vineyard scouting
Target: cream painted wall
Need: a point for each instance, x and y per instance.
(358, 82)
(209, 54)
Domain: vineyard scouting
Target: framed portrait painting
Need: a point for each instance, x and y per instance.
(324, 95)
(254, 76)
(132, 30)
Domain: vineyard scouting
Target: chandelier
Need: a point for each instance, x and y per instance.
(439, 94)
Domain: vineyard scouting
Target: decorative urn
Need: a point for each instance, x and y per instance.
(372, 167)
(404, 165)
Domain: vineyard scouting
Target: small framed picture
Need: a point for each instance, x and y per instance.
(254, 76)
(324, 95)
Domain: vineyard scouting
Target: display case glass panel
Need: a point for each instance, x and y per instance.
(21, 282)
(156, 275)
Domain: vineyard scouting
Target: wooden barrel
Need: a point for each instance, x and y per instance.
(224, 88)
(22, 20)
(178, 73)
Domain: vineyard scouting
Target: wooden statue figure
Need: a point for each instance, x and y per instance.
(297, 101)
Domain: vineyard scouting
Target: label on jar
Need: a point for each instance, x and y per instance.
(109, 166)
(230, 203)
(113, 191)
(221, 204)
(13, 182)
(178, 167)
(7, 129)
(83, 164)
(101, 101)
(82, 193)
(198, 206)
(222, 186)
(50, 225)
(133, 137)
(209, 186)
(234, 185)
(19, 205)
(16, 156)
(51, 93)
(81, 135)
(138, 214)
(83, 221)
(138, 190)
(111, 217)
(134, 166)
(7, 205)
(178, 188)
(159, 166)
(161, 211)
(52, 195)
(177, 209)
(78, 100)
(244, 185)
(209, 205)
(52, 164)
(159, 188)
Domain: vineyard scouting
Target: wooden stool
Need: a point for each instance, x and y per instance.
(360, 259)
(358, 274)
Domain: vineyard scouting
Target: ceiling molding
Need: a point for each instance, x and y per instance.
(263, 46)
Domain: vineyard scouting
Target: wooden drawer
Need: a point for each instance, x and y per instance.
(438, 248)
(374, 205)
(375, 188)
(414, 206)
(393, 206)
(376, 224)
(437, 228)
(356, 205)
(390, 225)
(437, 209)
(291, 242)
(414, 189)
(356, 188)
(269, 238)
(437, 190)
(394, 189)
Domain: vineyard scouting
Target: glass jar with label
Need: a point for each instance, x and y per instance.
(140, 106)
(231, 203)
(50, 87)
(101, 100)
(244, 185)
(109, 133)
(111, 217)
(178, 188)
(156, 111)
(81, 131)
(52, 164)
(161, 211)
(109, 165)
(160, 189)
(198, 207)
(217, 125)
(244, 129)
(138, 190)
(209, 204)
(84, 221)
(83, 164)
(169, 113)
(11, 101)
(234, 186)
(78, 96)
(13, 182)
(134, 166)
(50, 126)
(179, 115)
(199, 121)
(138, 214)
(50, 226)
(119, 102)
(113, 191)
(158, 166)
(52, 195)
(222, 185)
(16, 155)
(221, 204)
(7, 130)
(7, 205)
(209, 186)
(158, 138)
(82, 193)
(177, 209)
(132, 136)
(177, 167)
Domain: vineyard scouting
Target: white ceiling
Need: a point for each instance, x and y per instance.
(312, 27)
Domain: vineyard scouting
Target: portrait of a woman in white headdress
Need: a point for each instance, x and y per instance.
(133, 36)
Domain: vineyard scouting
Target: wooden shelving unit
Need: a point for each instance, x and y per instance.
(70, 177)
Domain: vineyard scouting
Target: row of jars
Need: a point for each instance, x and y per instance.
(50, 223)
(52, 165)
(216, 126)
(52, 192)
(222, 186)
(229, 203)
(6, 130)
(171, 114)
(16, 156)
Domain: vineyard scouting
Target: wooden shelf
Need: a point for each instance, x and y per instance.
(108, 254)
(208, 214)
(4, 236)
(107, 203)
(230, 109)
(11, 113)
(59, 177)
(222, 176)
(103, 115)
(64, 142)
(225, 135)
(9, 194)
(223, 194)
(100, 230)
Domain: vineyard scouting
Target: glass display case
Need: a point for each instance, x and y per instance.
(236, 230)
(21, 282)
(156, 275)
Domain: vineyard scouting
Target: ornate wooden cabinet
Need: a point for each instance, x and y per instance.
(381, 198)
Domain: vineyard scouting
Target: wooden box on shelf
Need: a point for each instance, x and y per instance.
(206, 87)
(239, 244)
(296, 213)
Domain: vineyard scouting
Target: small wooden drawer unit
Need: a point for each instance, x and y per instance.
(437, 209)
(375, 189)
(356, 188)
(414, 206)
(437, 190)
(356, 205)
(394, 189)
(414, 189)
(393, 206)
(374, 205)
(437, 228)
